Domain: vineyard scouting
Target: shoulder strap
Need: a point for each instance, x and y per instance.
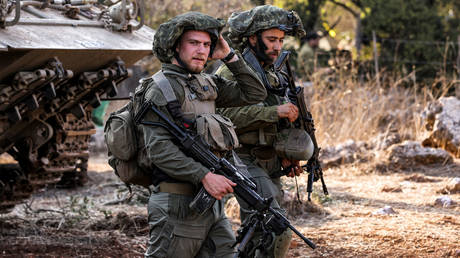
(185, 76)
(165, 86)
(173, 106)
(251, 60)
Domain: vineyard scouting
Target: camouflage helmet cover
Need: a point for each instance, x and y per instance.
(169, 32)
(247, 23)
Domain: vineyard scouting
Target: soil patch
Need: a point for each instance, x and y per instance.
(78, 222)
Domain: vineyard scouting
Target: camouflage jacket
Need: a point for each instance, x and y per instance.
(306, 61)
(253, 117)
(160, 151)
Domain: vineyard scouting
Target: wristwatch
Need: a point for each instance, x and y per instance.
(229, 56)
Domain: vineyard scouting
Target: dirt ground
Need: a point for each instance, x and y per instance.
(94, 221)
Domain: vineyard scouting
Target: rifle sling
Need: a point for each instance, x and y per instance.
(252, 61)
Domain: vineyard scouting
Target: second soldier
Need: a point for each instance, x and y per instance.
(259, 33)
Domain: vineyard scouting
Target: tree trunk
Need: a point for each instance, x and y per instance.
(358, 36)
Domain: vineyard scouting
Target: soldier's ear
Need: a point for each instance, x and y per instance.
(177, 44)
(253, 40)
(177, 47)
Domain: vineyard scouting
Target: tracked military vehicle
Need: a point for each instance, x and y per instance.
(58, 58)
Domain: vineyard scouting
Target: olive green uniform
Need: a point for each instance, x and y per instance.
(257, 126)
(306, 61)
(175, 230)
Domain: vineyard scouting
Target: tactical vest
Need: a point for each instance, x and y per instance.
(199, 106)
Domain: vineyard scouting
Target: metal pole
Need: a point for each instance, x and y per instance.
(458, 56)
(376, 59)
(457, 87)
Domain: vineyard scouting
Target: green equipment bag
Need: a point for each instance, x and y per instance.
(294, 144)
(120, 133)
(121, 137)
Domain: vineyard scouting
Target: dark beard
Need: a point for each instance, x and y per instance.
(259, 50)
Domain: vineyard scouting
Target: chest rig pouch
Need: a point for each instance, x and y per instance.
(199, 106)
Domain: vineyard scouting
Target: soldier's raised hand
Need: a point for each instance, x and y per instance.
(222, 50)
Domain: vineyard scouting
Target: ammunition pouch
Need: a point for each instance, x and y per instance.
(266, 158)
(218, 131)
(263, 137)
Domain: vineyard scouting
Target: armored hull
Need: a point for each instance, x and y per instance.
(57, 60)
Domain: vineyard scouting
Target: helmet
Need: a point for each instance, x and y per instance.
(245, 24)
(169, 32)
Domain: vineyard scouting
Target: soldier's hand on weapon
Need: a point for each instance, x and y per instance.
(289, 111)
(296, 169)
(222, 50)
(217, 186)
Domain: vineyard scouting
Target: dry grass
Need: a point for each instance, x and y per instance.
(350, 108)
(343, 224)
(419, 229)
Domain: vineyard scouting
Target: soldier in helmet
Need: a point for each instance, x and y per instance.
(259, 33)
(184, 44)
(307, 55)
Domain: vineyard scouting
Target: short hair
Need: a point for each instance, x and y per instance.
(312, 35)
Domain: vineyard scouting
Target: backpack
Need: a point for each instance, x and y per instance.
(124, 141)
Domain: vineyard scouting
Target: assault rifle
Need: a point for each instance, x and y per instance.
(304, 121)
(196, 147)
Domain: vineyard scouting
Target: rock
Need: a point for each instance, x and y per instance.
(410, 153)
(345, 153)
(444, 201)
(443, 122)
(384, 140)
(391, 189)
(387, 210)
(454, 185)
(419, 179)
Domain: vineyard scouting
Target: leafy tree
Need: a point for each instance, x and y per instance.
(412, 34)
(308, 10)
